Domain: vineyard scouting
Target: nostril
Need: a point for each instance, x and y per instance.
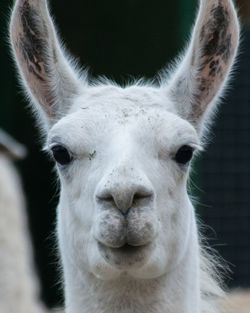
(105, 198)
(141, 195)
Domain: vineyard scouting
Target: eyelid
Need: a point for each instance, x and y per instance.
(47, 148)
(54, 141)
(50, 145)
(195, 146)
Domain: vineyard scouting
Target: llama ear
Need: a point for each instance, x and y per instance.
(204, 70)
(48, 77)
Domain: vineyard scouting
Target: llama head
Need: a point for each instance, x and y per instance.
(123, 154)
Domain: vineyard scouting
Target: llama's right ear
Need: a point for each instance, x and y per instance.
(47, 75)
(200, 77)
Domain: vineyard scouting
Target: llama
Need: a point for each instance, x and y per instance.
(126, 227)
(18, 284)
(238, 301)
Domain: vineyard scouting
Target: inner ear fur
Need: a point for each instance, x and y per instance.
(200, 77)
(46, 72)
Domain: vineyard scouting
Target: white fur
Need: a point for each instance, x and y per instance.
(123, 142)
(18, 283)
(237, 301)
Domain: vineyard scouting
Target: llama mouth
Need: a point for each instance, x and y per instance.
(126, 255)
(129, 249)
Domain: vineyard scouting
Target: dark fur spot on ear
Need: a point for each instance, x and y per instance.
(216, 42)
(204, 92)
(32, 43)
(214, 67)
(210, 58)
(215, 33)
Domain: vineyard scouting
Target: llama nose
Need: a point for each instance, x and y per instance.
(123, 198)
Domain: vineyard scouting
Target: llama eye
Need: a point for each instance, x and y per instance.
(61, 155)
(184, 155)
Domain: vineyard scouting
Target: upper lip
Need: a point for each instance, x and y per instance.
(124, 248)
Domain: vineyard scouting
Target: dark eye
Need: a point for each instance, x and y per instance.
(61, 155)
(184, 155)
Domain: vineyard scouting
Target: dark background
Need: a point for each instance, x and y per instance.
(137, 38)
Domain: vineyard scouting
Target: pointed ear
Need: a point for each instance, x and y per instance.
(204, 70)
(46, 73)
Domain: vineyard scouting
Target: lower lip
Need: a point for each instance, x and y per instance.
(126, 256)
(126, 249)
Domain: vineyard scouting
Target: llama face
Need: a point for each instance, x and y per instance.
(123, 153)
(124, 193)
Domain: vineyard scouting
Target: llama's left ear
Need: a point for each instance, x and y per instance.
(48, 77)
(204, 70)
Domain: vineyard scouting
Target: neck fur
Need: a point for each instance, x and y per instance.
(189, 288)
